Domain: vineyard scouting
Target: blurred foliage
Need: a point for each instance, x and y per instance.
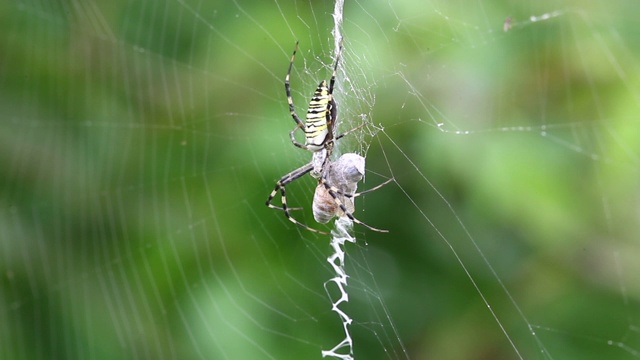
(140, 139)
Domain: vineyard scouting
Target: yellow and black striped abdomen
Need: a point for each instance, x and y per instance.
(316, 127)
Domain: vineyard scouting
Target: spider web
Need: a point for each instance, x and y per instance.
(140, 139)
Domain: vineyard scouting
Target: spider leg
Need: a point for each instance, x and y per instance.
(287, 88)
(349, 131)
(333, 191)
(339, 192)
(331, 119)
(280, 186)
(332, 113)
(292, 219)
(284, 181)
(332, 81)
(294, 141)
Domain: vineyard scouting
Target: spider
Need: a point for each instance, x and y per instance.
(318, 128)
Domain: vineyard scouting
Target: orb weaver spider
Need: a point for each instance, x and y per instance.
(318, 127)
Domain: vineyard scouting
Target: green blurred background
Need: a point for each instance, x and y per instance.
(140, 139)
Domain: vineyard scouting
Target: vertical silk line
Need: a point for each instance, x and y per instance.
(344, 349)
